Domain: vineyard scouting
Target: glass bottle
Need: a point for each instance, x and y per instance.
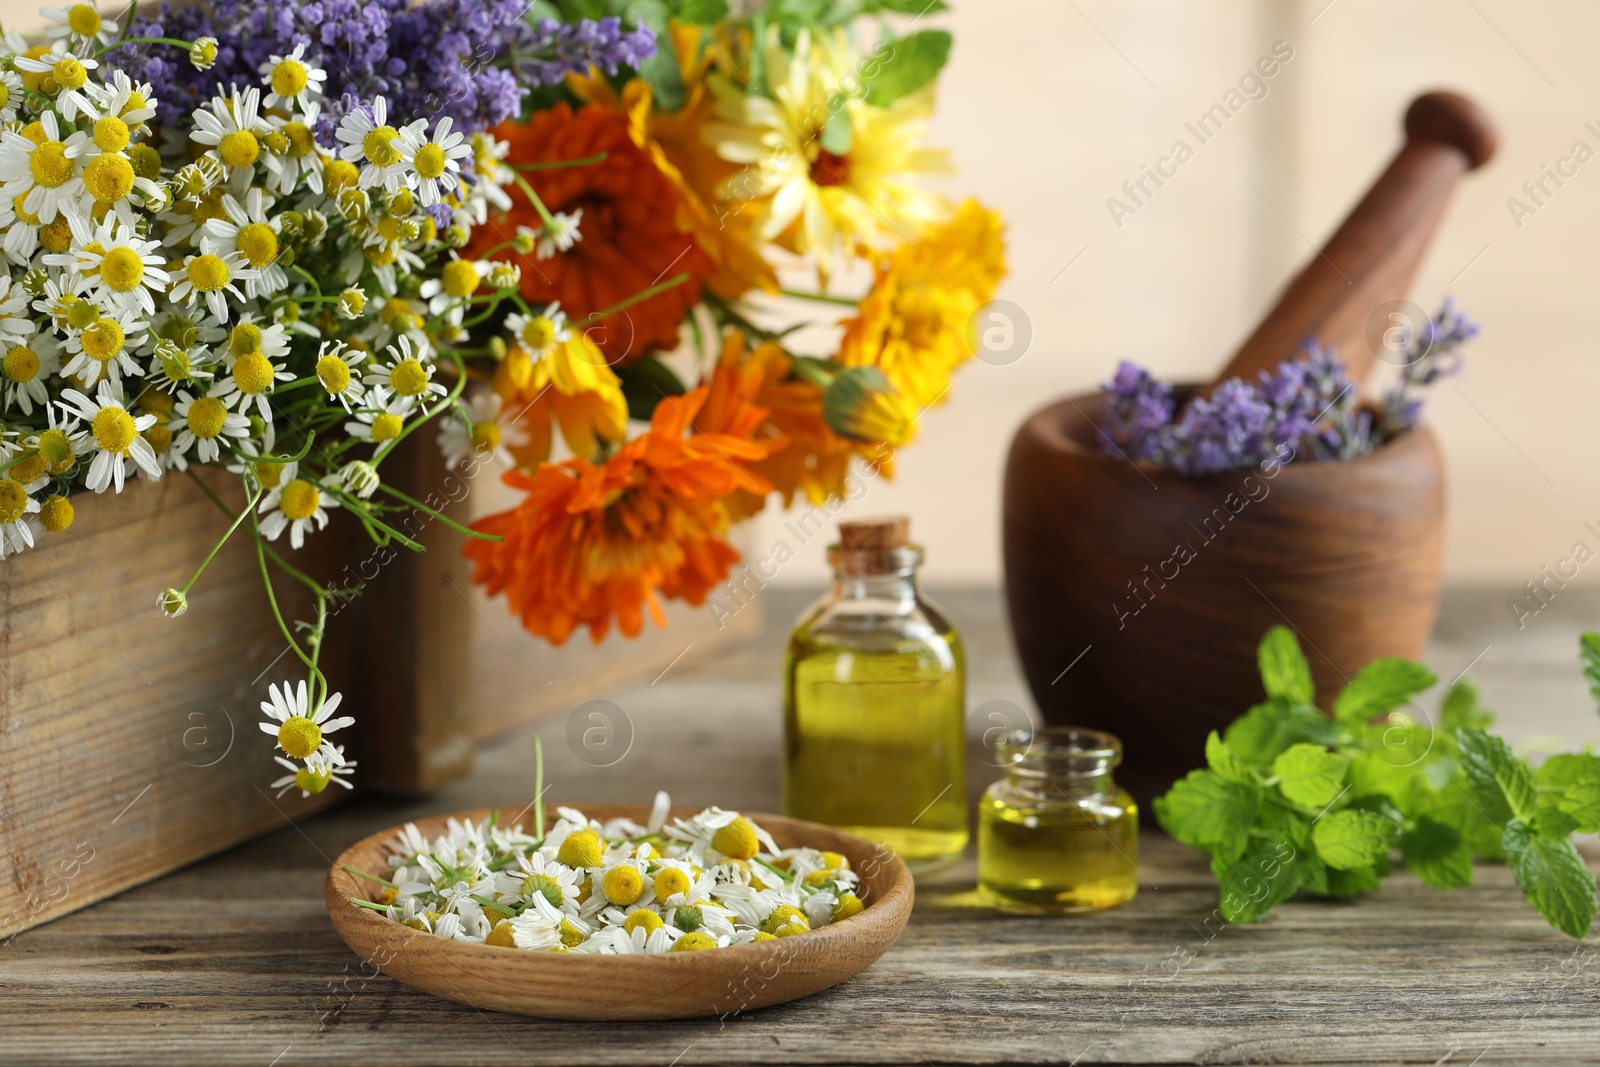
(874, 704)
(1056, 834)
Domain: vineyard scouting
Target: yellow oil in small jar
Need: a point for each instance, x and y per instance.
(874, 707)
(1057, 835)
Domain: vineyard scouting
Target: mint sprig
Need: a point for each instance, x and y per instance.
(1291, 799)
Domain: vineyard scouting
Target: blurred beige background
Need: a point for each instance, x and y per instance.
(1049, 106)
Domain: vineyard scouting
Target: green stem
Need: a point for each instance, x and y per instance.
(369, 877)
(370, 906)
(439, 515)
(22, 458)
(533, 198)
(822, 298)
(272, 601)
(643, 294)
(598, 157)
(248, 508)
(187, 46)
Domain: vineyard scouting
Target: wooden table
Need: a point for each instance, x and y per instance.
(233, 961)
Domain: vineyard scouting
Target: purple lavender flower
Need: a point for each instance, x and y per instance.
(1434, 354)
(550, 50)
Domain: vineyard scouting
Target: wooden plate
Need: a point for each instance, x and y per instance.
(575, 985)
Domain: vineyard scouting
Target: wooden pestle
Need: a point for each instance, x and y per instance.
(1374, 255)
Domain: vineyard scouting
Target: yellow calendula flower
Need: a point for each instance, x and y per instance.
(915, 324)
(569, 386)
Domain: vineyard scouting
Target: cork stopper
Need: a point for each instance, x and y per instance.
(879, 534)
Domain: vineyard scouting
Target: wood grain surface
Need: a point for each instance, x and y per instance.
(234, 961)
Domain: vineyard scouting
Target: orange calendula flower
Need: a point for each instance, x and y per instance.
(675, 141)
(914, 324)
(597, 541)
(630, 235)
(568, 385)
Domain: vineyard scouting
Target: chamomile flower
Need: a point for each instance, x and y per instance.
(407, 373)
(10, 95)
(335, 369)
(316, 775)
(14, 321)
(17, 510)
(123, 98)
(69, 72)
(232, 127)
(79, 26)
(559, 234)
(374, 145)
(113, 436)
(252, 374)
(381, 418)
(483, 430)
(122, 270)
(45, 174)
(298, 505)
(105, 347)
(175, 366)
(539, 333)
(301, 732)
(292, 79)
(24, 367)
(206, 423)
(295, 154)
(458, 279)
(433, 161)
(245, 230)
(212, 277)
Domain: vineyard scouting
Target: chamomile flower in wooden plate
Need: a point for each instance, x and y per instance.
(618, 911)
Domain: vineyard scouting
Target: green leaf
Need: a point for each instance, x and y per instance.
(1266, 875)
(1455, 807)
(1437, 853)
(700, 12)
(904, 7)
(1349, 838)
(1379, 687)
(1353, 882)
(1552, 876)
(1220, 758)
(1285, 674)
(1207, 812)
(1589, 654)
(1460, 708)
(661, 69)
(1310, 775)
(1260, 734)
(904, 65)
(1572, 781)
(1378, 773)
(645, 383)
(1502, 784)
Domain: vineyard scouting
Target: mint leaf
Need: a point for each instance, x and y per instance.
(1455, 807)
(1589, 654)
(1260, 734)
(1460, 709)
(1310, 775)
(1220, 758)
(1397, 777)
(1552, 876)
(1437, 853)
(904, 65)
(1572, 782)
(1210, 813)
(1285, 674)
(1353, 882)
(1502, 784)
(1266, 875)
(1379, 687)
(1349, 838)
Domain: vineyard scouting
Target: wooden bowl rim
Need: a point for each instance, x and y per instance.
(885, 911)
(1050, 423)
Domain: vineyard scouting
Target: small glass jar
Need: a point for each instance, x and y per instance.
(874, 736)
(1057, 835)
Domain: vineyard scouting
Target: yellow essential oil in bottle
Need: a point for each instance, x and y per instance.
(874, 704)
(1057, 835)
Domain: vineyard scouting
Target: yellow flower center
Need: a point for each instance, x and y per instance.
(239, 148)
(300, 500)
(111, 134)
(83, 20)
(394, 308)
(179, 330)
(386, 427)
(81, 314)
(339, 174)
(289, 78)
(56, 237)
(402, 203)
(786, 919)
(5, 95)
(459, 278)
(571, 936)
(103, 341)
(299, 736)
(56, 450)
(539, 333)
(26, 470)
(409, 378)
(49, 164)
(245, 339)
(381, 255)
(13, 501)
(253, 373)
(311, 781)
(175, 365)
(848, 905)
(159, 436)
(500, 936)
(268, 474)
(206, 417)
(56, 514)
(622, 885)
(671, 881)
(301, 142)
(258, 244)
(114, 430)
(694, 942)
(122, 270)
(643, 919)
(69, 73)
(430, 161)
(109, 177)
(20, 365)
(737, 839)
(581, 849)
(379, 146)
(546, 887)
(334, 374)
(208, 273)
(146, 161)
(485, 436)
(33, 81)
(136, 102)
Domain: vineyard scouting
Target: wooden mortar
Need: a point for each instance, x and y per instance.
(1137, 594)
